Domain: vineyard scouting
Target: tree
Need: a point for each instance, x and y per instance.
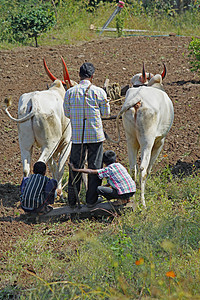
(32, 22)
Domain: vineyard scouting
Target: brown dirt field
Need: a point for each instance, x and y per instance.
(117, 59)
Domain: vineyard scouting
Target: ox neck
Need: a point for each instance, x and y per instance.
(138, 85)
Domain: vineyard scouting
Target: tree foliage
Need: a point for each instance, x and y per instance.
(31, 22)
(152, 5)
(21, 20)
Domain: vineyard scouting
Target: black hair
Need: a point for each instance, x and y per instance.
(109, 157)
(87, 70)
(39, 168)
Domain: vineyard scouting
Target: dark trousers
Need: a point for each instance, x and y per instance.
(110, 193)
(94, 153)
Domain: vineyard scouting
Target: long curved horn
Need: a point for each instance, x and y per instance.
(51, 76)
(164, 72)
(144, 77)
(65, 72)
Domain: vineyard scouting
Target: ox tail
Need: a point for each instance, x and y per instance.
(21, 120)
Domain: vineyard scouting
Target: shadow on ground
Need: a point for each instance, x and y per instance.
(9, 194)
(181, 169)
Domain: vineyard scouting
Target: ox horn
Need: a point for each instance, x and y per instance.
(51, 76)
(65, 72)
(164, 72)
(144, 77)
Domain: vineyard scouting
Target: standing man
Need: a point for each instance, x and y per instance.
(84, 104)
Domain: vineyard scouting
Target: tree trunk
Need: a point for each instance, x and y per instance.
(36, 42)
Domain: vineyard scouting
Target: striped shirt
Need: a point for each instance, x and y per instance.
(91, 106)
(33, 195)
(118, 177)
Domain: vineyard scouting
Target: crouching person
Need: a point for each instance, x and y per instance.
(119, 185)
(37, 190)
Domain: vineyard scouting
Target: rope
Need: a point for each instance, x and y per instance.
(112, 101)
(76, 179)
(54, 149)
(84, 120)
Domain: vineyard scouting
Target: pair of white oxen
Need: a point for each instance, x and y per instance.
(147, 115)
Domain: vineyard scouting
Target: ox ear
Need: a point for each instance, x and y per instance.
(67, 85)
(164, 72)
(150, 75)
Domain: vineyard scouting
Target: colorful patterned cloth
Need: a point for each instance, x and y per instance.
(118, 177)
(92, 107)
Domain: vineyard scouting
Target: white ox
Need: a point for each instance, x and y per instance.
(147, 115)
(41, 121)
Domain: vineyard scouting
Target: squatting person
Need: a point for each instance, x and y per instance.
(119, 185)
(37, 190)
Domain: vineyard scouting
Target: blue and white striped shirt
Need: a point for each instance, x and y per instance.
(77, 106)
(33, 195)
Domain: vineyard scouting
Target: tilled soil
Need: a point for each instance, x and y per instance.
(117, 59)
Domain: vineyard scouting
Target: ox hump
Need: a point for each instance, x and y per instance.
(133, 96)
(156, 82)
(58, 86)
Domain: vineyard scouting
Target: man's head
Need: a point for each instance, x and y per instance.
(39, 168)
(109, 157)
(86, 70)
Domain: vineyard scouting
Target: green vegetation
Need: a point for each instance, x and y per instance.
(31, 22)
(194, 54)
(142, 254)
(20, 22)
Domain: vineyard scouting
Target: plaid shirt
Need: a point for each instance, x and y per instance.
(92, 107)
(33, 194)
(118, 177)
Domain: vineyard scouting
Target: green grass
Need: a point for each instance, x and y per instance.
(73, 24)
(186, 24)
(123, 258)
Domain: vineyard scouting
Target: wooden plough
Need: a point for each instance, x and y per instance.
(66, 212)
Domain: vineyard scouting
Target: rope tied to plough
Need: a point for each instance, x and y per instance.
(57, 144)
(116, 100)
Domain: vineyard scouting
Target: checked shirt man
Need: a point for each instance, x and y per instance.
(84, 104)
(119, 185)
